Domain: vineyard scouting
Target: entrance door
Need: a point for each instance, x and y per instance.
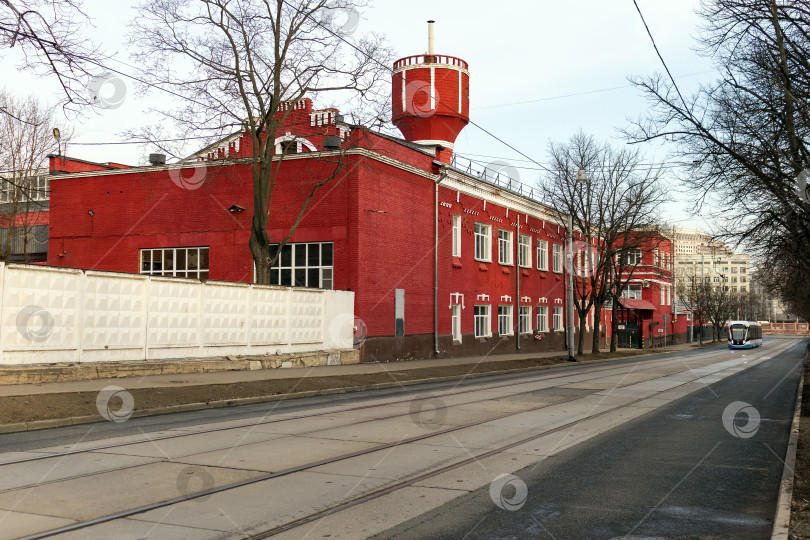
(629, 336)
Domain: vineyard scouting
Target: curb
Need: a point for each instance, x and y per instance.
(781, 522)
(78, 420)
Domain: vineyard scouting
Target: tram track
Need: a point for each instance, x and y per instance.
(648, 365)
(400, 483)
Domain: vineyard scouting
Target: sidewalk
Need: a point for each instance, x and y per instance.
(234, 377)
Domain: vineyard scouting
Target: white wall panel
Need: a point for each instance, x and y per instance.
(225, 313)
(268, 324)
(114, 311)
(40, 308)
(52, 314)
(174, 313)
(306, 316)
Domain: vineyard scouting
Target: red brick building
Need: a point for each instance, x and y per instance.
(395, 217)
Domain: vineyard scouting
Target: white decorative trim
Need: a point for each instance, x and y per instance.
(526, 299)
(456, 298)
(506, 299)
(483, 298)
(404, 92)
(435, 142)
(432, 88)
(542, 300)
(558, 301)
(300, 141)
(460, 105)
(409, 67)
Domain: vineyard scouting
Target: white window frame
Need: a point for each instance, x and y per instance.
(542, 255)
(557, 318)
(542, 318)
(482, 322)
(633, 256)
(150, 266)
(325, 272)
(632, 291)
(557, 258)
(455, 322)
(525, 319)
(483, 242)
(505, 325)
(524, 251)
(456, 236)
(505, 247)
(663, 295)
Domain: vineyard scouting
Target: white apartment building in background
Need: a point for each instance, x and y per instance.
(699, 257)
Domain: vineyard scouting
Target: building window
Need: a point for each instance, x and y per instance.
(557, 258)
(655, 256)
(632, 257)
(669, 295)
(456, 236)
(733, 269)
(505, 320)
(542, 318)
(525, 320)
(558, 318)
(482, 325)
(303, 265)
(504, 246)
(742, 270)
(663, 295)
(184, 262)
(455, 323)
(22, 189)
(524, 250)
(632, 291)
(542, 255)
(483, 247)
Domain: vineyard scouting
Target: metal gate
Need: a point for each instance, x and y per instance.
(629, 336)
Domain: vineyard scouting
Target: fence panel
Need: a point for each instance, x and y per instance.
(52, 314)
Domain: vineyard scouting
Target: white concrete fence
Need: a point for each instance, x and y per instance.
(51, 314)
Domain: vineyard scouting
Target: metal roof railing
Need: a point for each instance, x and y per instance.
(496, 177)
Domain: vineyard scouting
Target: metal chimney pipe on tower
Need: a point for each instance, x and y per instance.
(430, 38)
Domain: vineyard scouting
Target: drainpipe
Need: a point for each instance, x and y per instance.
(442, 176)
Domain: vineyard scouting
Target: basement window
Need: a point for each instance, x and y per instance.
(184, 262)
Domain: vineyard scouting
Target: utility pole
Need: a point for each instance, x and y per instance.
(569, 268)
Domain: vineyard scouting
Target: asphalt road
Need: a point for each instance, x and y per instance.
(634, 447)
(676, 472)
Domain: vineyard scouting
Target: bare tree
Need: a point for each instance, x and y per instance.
(743, 139)
(49, 34)
(614, 209)
(26, 138)
(719, 304)
(238, 63)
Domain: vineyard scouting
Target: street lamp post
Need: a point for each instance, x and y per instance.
(581, 178)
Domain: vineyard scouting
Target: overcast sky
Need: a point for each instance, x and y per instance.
(540, 71)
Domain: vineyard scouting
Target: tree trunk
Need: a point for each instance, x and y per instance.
(260, 248)
(597, 327)
(583, 320)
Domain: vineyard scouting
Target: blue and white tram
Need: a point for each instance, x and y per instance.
(744, 334)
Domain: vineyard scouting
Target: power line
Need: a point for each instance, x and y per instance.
(584, 93)
(649, 33)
